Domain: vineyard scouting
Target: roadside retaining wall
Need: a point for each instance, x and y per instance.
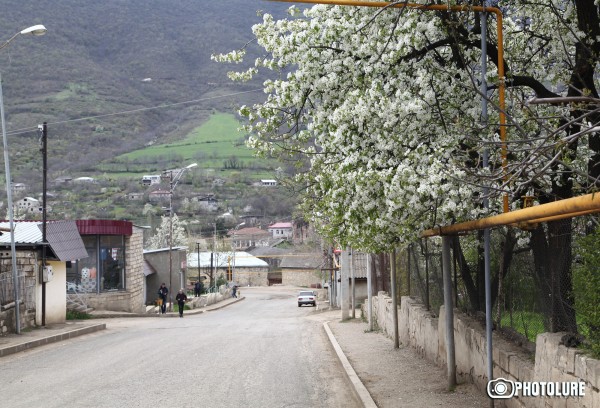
(208, 299)
(553, 362)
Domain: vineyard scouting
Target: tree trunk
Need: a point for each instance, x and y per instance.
(552, 255)
(465, 274)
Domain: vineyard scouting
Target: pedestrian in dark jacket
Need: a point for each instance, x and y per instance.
(162, 295)
(181, 298)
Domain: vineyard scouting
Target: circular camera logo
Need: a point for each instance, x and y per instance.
(500, 388)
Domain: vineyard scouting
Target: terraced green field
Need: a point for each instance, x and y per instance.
(216, 144)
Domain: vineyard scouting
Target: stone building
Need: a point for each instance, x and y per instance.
(41, 295)
(302, 270)
(112, 277)
(238, 267)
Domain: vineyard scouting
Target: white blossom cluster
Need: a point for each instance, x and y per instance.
(388, 111)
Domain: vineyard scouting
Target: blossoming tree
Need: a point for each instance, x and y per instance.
(386, 107)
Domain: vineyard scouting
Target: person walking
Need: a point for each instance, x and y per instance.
(181, 298)
(234, 291)
(162, 294)
(197, 288)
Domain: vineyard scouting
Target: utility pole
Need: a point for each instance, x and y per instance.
(44, 148)
(172, 185)
(198, 247)
(353, 287)
(171, 241)
(394, 298)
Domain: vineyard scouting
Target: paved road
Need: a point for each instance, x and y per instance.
(261, 352)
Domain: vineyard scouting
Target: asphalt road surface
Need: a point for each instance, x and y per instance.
(260, 352)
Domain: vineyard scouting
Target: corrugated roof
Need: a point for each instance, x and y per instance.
(223, 259)
(65, 241)
(359, 263)
(62, 236)
(25, 233)
(175, 248)
(302, 262)
(148, 269)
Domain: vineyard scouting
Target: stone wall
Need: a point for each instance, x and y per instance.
(251, 276)
(554, 362)
(27, 264)
(134, 250)
(301, 278)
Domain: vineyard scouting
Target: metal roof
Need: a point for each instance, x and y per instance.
(62, 236)
(148, 269)
(25, 233)
(359, 263)
(302, 261)
(64, 240)
(175, 248)
(223, 259)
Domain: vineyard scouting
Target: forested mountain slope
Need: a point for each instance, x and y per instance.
(100, 59)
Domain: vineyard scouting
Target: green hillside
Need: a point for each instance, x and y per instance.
(128, 88)
(110, 77)
(217, 144)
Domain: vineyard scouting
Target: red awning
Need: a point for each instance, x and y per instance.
(104, 227)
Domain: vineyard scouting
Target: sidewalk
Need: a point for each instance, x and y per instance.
(392, 378)
(52, 333)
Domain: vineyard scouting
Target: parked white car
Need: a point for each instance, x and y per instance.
(307, 297)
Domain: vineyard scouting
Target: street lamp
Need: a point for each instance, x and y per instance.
(172, 184)
(35, 30)
(233, 246)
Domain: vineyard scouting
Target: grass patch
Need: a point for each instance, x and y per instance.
(529, 324)
(75, 315)
(216, 139)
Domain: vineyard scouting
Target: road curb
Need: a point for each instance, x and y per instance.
(5, 351)
(196, 311)
(359, 388)
(225, 305)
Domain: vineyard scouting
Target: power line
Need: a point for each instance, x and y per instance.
(127, 112)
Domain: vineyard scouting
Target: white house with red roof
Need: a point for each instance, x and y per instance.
(281, 230)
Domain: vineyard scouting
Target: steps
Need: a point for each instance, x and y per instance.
(78, 302)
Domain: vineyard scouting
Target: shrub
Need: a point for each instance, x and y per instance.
(75, 315)
(586, 289)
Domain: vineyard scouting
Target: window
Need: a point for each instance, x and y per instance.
(104, 269)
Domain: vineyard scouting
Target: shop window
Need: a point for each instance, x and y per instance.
(103, 270)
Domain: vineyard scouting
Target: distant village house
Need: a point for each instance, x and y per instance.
(149, 180)
(268, 183)
(207, 202)
(281, 230)
(159, 195)
(29, 205)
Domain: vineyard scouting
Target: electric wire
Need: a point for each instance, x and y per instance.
(131, 111)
